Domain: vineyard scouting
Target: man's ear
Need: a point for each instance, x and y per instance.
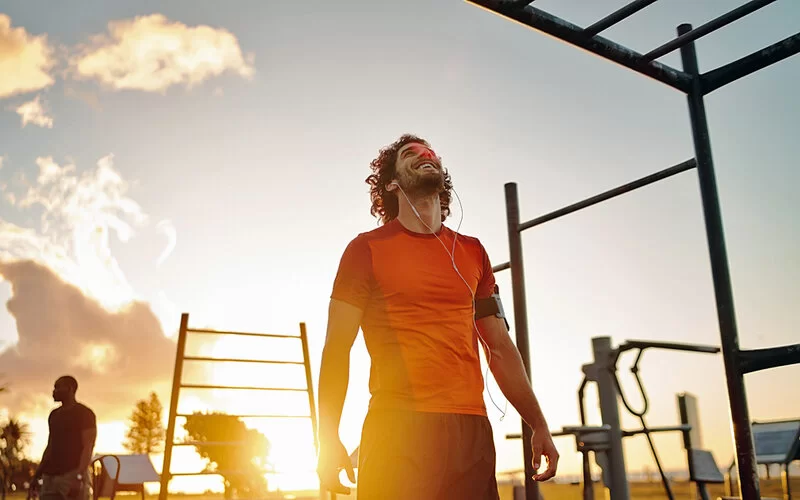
(392, 185)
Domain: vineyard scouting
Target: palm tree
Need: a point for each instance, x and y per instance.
(16, 436)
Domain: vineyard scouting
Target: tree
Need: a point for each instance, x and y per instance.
(145, 428)
(241, 461)
(15, 436)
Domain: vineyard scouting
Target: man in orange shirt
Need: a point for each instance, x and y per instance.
(413, 285)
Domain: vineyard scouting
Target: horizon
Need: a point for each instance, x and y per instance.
(162, 159)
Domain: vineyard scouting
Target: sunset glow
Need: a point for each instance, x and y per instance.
(163, 159)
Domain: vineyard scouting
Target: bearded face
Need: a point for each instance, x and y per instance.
(419, 171)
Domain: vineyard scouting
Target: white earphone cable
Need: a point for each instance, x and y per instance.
(451, 254)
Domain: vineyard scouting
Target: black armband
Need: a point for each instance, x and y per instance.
(491, 306)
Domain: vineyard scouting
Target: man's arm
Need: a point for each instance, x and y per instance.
(509, 372)
(334, 373)
(88, 437)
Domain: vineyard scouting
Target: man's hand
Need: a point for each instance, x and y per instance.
(542, 446)
(333, 458)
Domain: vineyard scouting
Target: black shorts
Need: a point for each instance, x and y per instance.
(426, 456)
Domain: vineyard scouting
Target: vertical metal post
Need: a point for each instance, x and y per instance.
(173, 407)
(786, 481)
(726, 316)
(520, 322)
(311, 401)
(609, 411)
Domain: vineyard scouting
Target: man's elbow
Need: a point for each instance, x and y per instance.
(502, 350)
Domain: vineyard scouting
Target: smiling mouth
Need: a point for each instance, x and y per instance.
(427, 165)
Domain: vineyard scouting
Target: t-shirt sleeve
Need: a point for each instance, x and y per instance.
(88, 420)
(354, 278)
(487, 282)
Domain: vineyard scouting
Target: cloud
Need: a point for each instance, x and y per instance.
(167, 229)
(25, 60)
(115, 356)
(152, 53)
(74, 309)
(79, 214)
(33, 112)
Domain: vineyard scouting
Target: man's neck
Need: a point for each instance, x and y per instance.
(430, 213)
(68, 403)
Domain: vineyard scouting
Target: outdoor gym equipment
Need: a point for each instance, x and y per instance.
(605, 441)
(179, 383)
(777, 442)
(695, 85)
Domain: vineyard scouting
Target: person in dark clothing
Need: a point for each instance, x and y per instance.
(64, 469)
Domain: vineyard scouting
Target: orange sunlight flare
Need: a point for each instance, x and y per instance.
(281, 416)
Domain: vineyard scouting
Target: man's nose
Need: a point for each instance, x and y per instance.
(427, 153)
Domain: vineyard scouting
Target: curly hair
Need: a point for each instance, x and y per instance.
(384, 202)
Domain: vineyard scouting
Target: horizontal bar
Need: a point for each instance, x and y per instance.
(501, 267)
(246, 334)
(235, 387)
(652, 430)
(617, 16)
(238, 360)
(563, 30)
(700, 31)
(740, 68)
(753, 360)
(674, 346)
(210, 473)
(644, 181)
(211, 443)
(187, 415)
(570, 431)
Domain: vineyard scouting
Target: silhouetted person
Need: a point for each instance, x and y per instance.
(64, 469)
(425, 298)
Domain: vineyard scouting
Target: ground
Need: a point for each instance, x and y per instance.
(770, 488)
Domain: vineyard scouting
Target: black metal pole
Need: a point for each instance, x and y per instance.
(621, 14)
(520, 323)
(726, 316)
(758, 60)
(713, 25)
(753, 360)
(611, 193)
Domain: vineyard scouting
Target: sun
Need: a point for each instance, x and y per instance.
(281, 416)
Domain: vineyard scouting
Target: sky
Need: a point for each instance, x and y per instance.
(159, 158)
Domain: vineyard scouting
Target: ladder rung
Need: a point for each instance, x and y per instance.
(187, 415)
(240, 387)
(246, 334)
(211, 443)
(210, 473)
(237, 360)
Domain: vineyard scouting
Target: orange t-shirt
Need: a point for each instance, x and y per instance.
(418, 316)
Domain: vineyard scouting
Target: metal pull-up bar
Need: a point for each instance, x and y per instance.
(707, 28)
(695, 86)
(604, 196)
(620, 15)
(516, 266)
